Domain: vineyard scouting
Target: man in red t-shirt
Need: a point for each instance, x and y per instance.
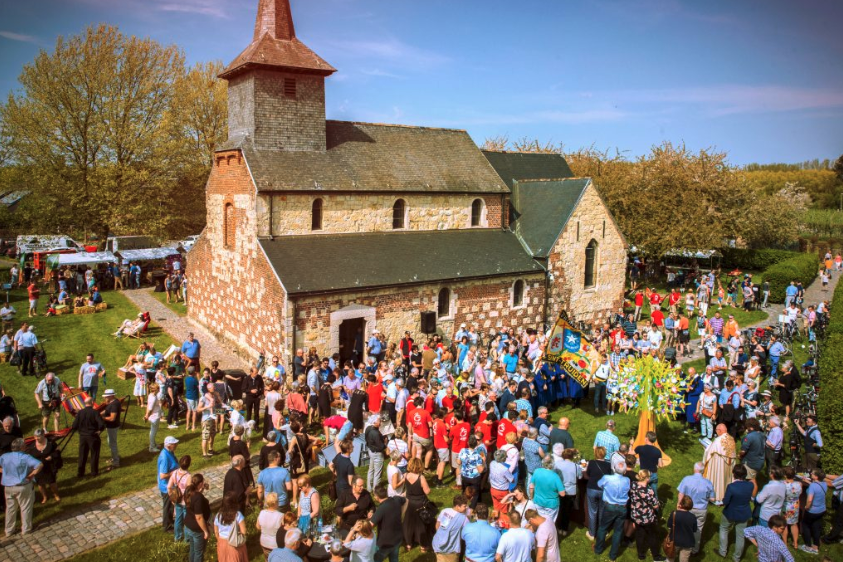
(375, 392)
(639, 304)
(655, 300)
(459, 440)
(504, 426)
(673, 300)
(421, 422)
(440, 443)
(657, 318)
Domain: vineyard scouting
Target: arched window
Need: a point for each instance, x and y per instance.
(316, 215)
(590, 278)
(444, 304)
(518, 293)
(398, 214)
(477, 212)
(228, 226)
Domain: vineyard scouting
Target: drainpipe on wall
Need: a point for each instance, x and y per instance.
(293, 335)
(271, 212)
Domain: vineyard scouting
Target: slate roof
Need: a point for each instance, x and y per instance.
(367, 157)
(519, 166)
(541, 210)
(268, 52)
(353, 261)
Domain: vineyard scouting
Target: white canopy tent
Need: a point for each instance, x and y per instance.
(86, 258)
(147, 254)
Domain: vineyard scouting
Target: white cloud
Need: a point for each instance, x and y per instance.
(12, 36)
(387, 51)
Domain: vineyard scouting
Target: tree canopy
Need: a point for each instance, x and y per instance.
(112, 133)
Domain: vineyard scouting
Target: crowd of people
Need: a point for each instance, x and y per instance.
(474, 415)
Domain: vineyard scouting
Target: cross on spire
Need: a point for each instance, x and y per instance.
(275, 18)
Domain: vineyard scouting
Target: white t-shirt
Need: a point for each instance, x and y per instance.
(270, 522)
(546, 538)
(390, 491)
(362, 549)
(153, 407)
(400, 446)
(225, 530)
(517, 545)
(271, 398)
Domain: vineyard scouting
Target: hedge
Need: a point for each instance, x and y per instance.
(754, 259)
(801, 267)
(830, 411)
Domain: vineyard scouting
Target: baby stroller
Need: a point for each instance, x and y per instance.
(9, 410)
(40, 360)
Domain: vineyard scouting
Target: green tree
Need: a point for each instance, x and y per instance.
(110, 132)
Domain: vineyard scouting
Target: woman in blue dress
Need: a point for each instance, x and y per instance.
(561, 384)
(692, 396)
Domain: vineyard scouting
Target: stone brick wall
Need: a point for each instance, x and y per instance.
(567, 263)
(372, 212)
(234, 292)
(483, 303)
(258, 106)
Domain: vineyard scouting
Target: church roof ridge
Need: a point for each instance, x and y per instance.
(398, 125)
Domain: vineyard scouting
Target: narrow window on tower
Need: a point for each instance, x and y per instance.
(290, 88)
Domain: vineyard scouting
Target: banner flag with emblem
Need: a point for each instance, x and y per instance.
(569, 348)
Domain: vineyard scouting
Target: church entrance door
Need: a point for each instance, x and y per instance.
(352, 331)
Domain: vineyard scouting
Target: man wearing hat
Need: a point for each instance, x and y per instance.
(167, 463)
(111, 416)
(374, 347)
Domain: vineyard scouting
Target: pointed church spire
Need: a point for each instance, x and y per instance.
(275, 18)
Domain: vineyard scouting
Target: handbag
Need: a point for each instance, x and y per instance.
(668, 545)
(235, 537)
(427, 512)
(332, 489)
(15, 359)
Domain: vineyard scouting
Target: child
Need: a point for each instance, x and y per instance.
(720, 294)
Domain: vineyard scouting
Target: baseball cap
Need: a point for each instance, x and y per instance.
(170, 440)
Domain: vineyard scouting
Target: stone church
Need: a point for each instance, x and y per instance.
(317, 229)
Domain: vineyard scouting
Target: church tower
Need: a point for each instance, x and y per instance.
(276, 86)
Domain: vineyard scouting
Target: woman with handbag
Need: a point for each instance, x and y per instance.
(230, 530)
(681, 526)
(416, 531)
(179, 479)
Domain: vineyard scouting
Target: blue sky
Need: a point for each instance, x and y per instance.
(759, 79)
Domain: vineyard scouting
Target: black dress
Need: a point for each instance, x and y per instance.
(326, 396)
(415, 531)
(47, 475)
(358, 403)
(239, 447)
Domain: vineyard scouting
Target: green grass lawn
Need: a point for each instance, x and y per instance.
(68, 339)
(178, 307)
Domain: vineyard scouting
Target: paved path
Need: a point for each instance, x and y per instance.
(813, 295)
(99, 524)
(179, 326)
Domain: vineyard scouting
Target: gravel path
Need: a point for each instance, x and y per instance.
(179, 326)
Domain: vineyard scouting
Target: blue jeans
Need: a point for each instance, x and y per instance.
(599, 396)
(178, 532)
(91, 391)
(595, 509)
(383, 553)
(654, 483)
(774, 365)
(707, 427)
(613, 517)
(197, 543)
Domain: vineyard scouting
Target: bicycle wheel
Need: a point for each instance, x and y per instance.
(787, 349)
